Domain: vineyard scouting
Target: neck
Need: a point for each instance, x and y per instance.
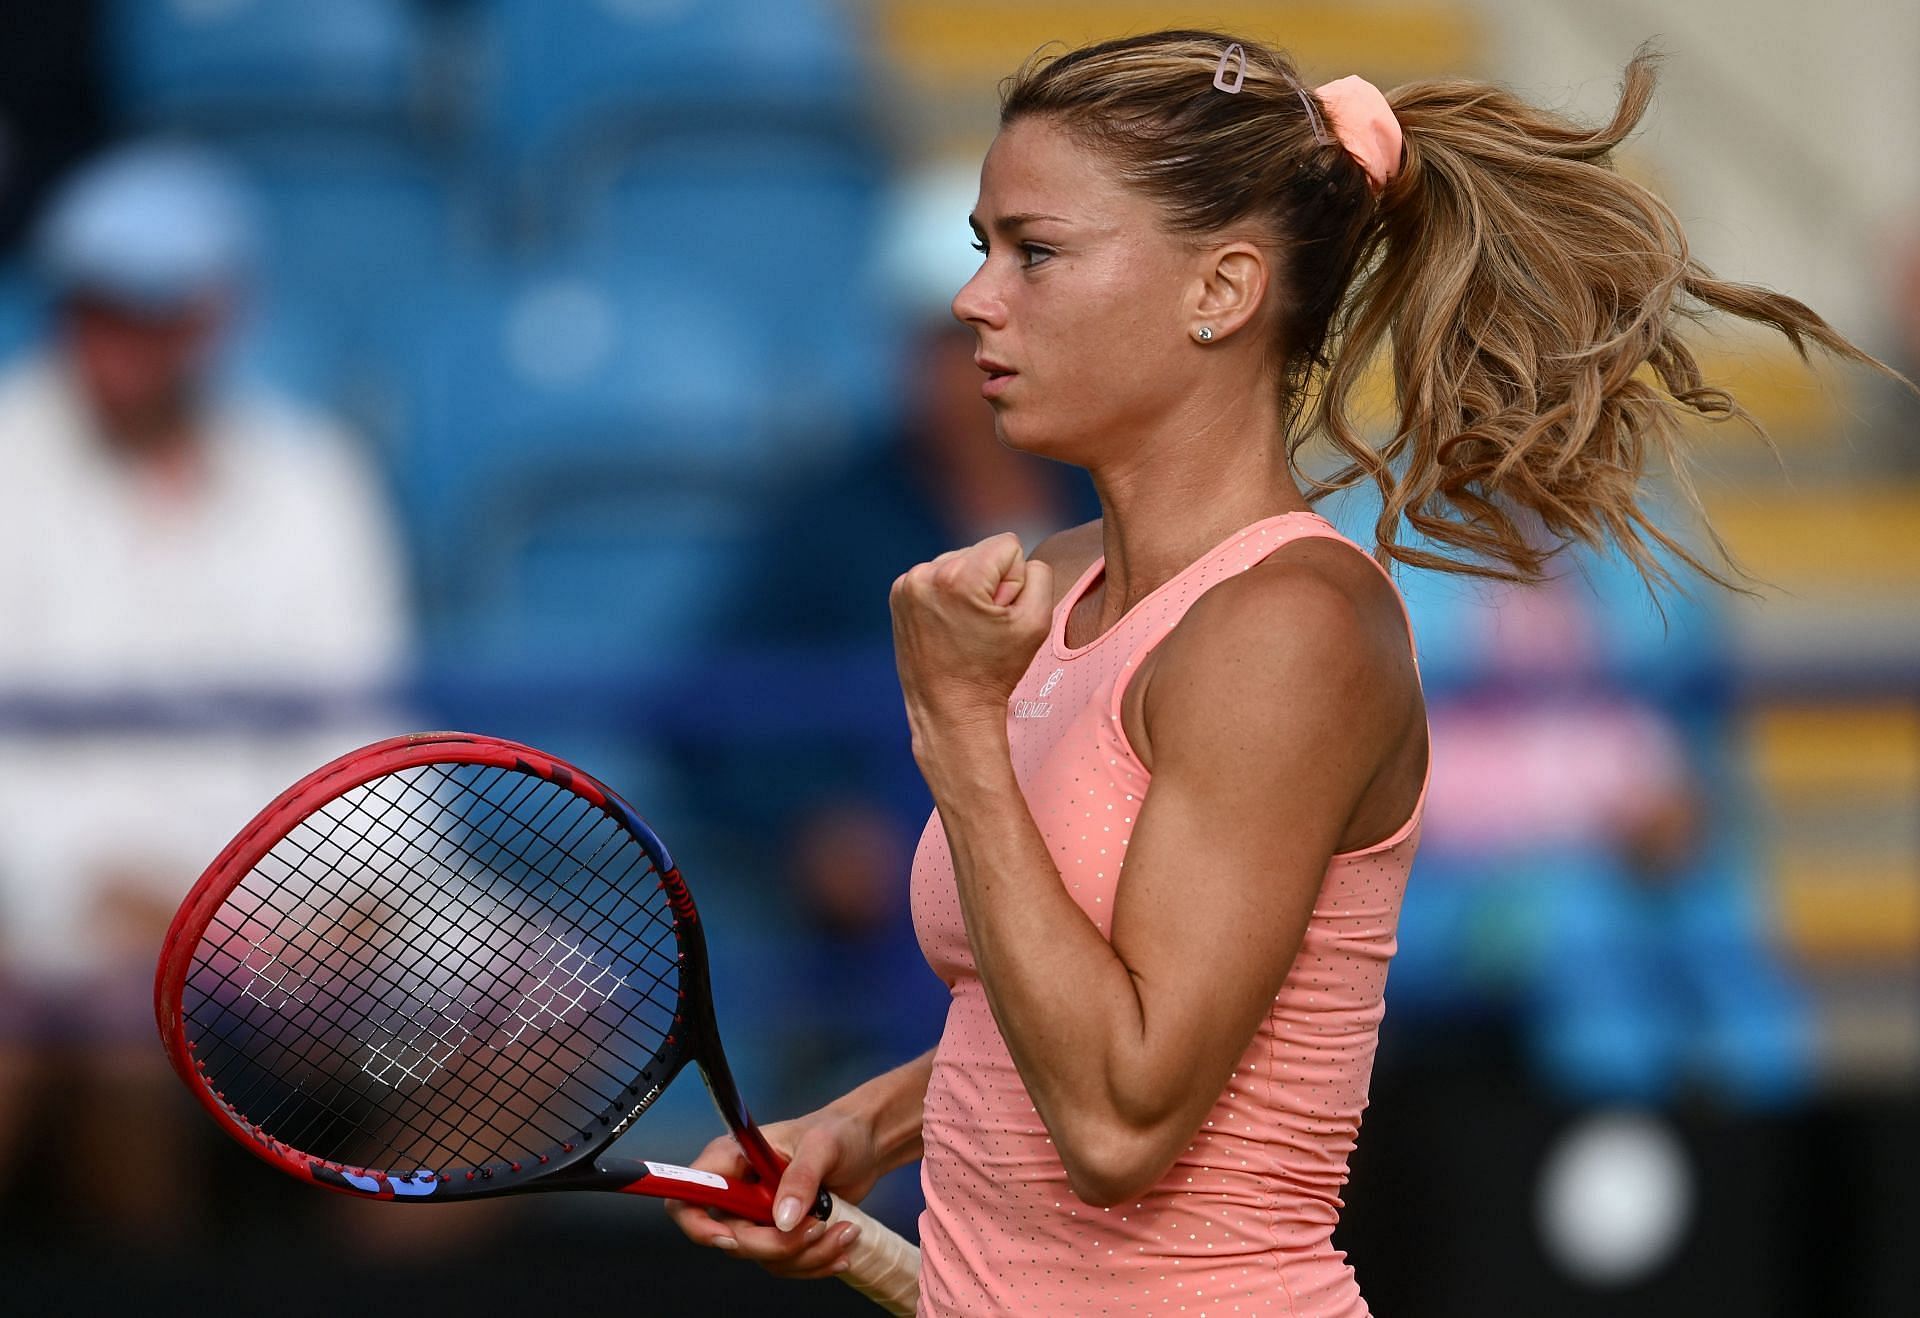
(162, 445)
(1166, 504)
(158, 440)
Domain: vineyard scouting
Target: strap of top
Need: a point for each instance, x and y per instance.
(1290, 526)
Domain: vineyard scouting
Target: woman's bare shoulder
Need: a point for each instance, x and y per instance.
(1069, 553)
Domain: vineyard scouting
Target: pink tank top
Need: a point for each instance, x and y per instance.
(1243, 1222)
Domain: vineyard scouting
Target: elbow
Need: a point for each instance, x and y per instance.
(1113, 1166)
(1102, 1190)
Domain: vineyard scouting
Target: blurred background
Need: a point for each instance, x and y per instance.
(580, 371)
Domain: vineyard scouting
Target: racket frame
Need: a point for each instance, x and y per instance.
(697, 1036)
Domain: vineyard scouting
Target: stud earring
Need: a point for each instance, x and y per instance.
(1206, 334)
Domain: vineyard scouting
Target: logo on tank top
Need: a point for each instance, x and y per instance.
(1039, 707)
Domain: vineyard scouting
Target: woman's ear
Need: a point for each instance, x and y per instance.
(1231, 285)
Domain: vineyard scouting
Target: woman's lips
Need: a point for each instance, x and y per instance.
(997, 385)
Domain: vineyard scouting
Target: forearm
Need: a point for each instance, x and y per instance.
(1064, 1000)
(893, 1106)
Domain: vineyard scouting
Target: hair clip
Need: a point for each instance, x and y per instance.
(1320, 134)
(1239, 74)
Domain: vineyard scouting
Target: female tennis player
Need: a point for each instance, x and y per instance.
(1179, 755)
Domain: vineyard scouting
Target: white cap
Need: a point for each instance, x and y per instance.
(151, 225)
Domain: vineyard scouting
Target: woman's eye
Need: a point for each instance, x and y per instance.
(1028, 248)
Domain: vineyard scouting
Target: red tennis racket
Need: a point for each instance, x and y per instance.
(446, 966)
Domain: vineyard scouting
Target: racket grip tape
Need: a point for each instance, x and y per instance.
(881, 1264)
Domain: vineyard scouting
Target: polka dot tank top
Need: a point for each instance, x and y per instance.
(1243, 1221)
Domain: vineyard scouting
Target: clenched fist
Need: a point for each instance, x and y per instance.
(965, 629)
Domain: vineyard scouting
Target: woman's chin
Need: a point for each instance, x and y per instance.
(1037, 444)
(1015, 433)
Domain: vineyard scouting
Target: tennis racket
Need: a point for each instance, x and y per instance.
(446, 966)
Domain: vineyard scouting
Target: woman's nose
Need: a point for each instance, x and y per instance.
(974, 301)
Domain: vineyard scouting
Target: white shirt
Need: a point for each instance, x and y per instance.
(278, 569)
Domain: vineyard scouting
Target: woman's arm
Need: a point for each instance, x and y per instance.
(1271, 707)
(891, 1108)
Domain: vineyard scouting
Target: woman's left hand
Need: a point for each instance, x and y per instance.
(965, 628)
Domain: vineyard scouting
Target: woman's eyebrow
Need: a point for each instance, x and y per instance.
(1014, 221)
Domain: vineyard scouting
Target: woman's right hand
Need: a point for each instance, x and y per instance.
(824, 1148)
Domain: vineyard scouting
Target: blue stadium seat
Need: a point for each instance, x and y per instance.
(357, 228)
(586, 355)
(581, 569)
(569, 72)
(776, 219)
(785, 230)
(354, 222)
(196, 59)
(587, 443)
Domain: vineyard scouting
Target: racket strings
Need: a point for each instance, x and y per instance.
(523, 1019)
(365, 968)
(426, 998)
(521, 949)
(662, 994)
(501, 964)
(659, 930)
(391, 989)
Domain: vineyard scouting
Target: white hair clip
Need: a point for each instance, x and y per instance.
(1239, 73)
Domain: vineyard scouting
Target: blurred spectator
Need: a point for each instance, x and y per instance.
(944, 481)
(1581, 853)
(166, 547)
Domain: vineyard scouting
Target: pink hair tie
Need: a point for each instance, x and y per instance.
(1364, 123)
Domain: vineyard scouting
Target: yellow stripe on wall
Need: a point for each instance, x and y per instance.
(1832, 913)
(1865, 536)
(1858, 751)
(951, 42)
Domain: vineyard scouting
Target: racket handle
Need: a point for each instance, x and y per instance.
(882, 1264)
